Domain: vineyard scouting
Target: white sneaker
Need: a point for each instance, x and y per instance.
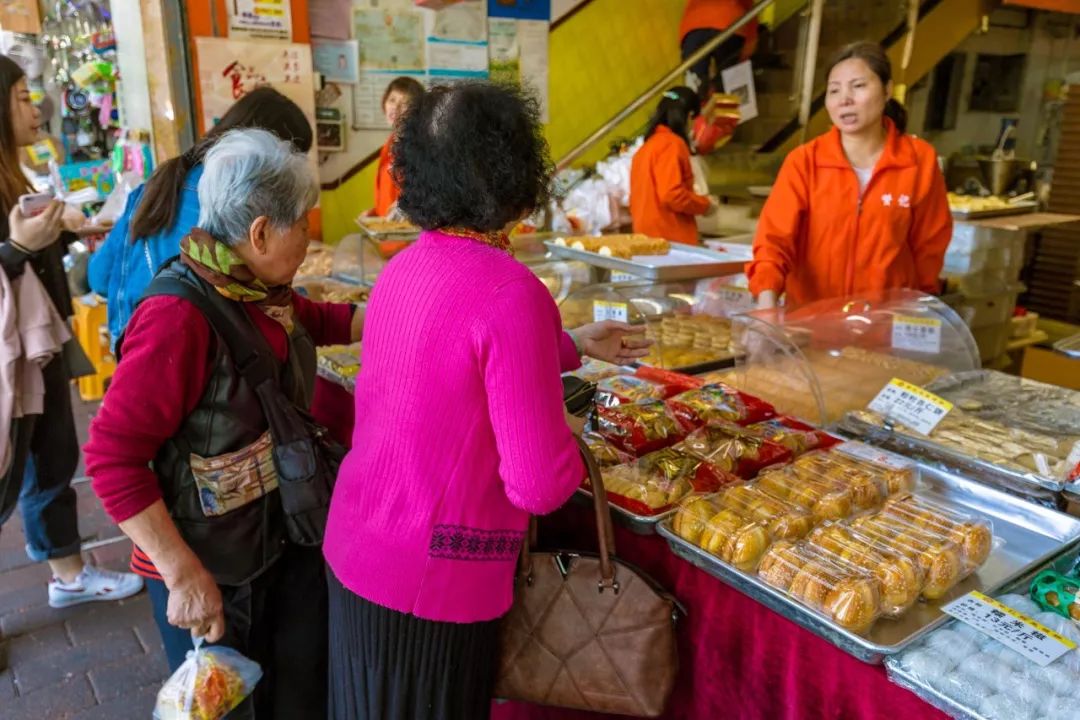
(93, 584)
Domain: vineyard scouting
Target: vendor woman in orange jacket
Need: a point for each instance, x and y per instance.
(662, 198)
(401, 93)
(859, 210)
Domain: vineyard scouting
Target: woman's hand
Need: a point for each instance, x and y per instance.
(612, 341)
(34, 234)
(73, 219)
(195, 604)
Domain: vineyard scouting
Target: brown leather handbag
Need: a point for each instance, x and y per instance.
(587, 631)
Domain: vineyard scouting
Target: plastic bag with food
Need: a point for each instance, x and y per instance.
(209, 684)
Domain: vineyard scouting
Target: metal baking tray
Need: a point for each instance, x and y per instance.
(639, 524)
(378, 235)
(1069, 346)
(1026, 536)
(1039, 487)
(1020, 208)
(684, 262)
(720, 363)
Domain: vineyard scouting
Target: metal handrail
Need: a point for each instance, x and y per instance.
(661, 85)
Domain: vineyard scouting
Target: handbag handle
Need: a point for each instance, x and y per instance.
(604, 529)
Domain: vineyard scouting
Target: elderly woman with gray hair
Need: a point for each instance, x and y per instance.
(180, 451)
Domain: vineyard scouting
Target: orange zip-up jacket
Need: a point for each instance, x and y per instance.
(719, 15)
(386, 190)
(662, 198)
(817, 238)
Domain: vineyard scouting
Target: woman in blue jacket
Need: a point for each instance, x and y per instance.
(161, 212)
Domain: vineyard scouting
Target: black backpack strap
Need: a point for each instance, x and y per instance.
(249, 349)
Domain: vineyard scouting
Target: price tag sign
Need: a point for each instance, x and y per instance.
(735, 299)
(606, 310)
(911, 405)
(922, 335)
(1015, 630)
(617, 276)
(871, 454)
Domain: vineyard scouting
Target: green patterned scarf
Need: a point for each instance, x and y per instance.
(218, 264)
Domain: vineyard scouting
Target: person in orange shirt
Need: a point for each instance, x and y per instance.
(702, 21)
(859, 210)
(662, 198)
(400, 94)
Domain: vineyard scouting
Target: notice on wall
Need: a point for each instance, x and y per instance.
(337, 60)
(20, 16)
(368, 94)
(518, 53)
(261, 19)
(457, 43)
(391, 45)
(520, 9)
(739, 80)
(330, 19)
(229, 69)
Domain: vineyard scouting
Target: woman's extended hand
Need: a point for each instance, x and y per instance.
(612, 341)
(195, 604)
(34, 234)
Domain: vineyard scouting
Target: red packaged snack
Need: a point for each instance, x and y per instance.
(657, 481)
(624, 389)
(796, 436)
(718, 403)
(675, 381)
(639, 428)
(605, 453)
(734, 449)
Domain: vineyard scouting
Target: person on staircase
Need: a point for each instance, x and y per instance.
(702, 21)
(861, 209)
(663, 203)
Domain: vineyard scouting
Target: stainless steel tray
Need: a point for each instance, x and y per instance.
(639, 524)
(1026, 536)
(1040, 486)
(684, 262)
(394, 235)
(1021, 208)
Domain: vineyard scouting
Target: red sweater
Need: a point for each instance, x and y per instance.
(167, 353)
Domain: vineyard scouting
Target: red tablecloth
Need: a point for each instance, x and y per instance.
(738, 659)
(333, 407)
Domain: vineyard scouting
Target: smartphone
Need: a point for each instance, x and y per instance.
(35, 203)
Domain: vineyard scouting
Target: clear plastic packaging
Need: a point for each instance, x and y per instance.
(605, 453)
(319, 261)
(900, 474)
(731, 536)
(211, 682)
(624, 389)
(823, 499)
(718, 403)
(818, 361)
(868, 488)
(784, 520)
(734, 449)
(639, 428)
(339, 363)
(325, 289)
(653, 484)
(899, 578)
(838, 589)
(974, 536)
(939, 558)
(594, 371)
(796, 436)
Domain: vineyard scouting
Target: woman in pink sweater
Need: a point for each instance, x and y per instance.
(463, 433)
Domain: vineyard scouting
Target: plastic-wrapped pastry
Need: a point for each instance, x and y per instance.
(659, 480)
(975, 537)
(783, 520)
(624, 389)
(732, 448)
(732, 537)
(899, 577)
(639, 428)
(605, 453)
(867, 488)
(718, 402)
(834, 587)
(899, 474)
(825, 501)
(593, 370)
(937, 556)
(797, 437)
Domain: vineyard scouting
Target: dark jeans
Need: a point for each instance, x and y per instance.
(279, 620)
(724, 56)
(46, 454)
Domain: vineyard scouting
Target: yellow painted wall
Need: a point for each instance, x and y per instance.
(602, 58)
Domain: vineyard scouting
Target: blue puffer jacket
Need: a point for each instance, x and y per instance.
(121, 269)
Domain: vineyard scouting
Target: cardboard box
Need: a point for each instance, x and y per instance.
(1052, 367)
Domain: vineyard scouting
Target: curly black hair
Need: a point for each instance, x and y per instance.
(471, 156)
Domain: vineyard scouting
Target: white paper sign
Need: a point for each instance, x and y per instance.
(921, 335)
(871, 454)
(606, 310)
(910, 405)
(617, 276)
(261, 19)
(739, 80)
(1015, 630)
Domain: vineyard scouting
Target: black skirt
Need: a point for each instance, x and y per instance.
(387, 665)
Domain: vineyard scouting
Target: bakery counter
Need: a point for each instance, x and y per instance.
(737, 658)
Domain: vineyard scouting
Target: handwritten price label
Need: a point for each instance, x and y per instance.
(922, 335)
(910, 405)
(606, 310)
(1031, 639)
